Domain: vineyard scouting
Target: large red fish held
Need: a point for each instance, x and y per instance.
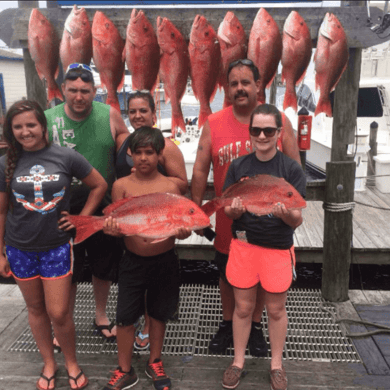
(139, 216)
(108, 46)
(296, 56)
(259, 194)
(44, 45)
(330, 59)
(205, 57)
(232, 39)
(265, 49)
(142, 52)
(174, 68)
(76, 43)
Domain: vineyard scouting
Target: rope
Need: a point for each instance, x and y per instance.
(374, 207)
(337, 319)
(338, 207)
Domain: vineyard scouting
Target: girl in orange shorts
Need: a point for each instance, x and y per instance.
(261, 253)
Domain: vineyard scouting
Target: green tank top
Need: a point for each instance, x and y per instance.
(92, 138)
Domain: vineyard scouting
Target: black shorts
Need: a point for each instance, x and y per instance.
(221, 260)
(102, 252)
(158, 276)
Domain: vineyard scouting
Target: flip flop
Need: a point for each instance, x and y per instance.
(84, 384)
(142, 337)
(48, 380)
(100, 328)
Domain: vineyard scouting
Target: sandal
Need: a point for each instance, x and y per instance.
(84, 384)
(48, 380)
(140, 346)
(100, 329)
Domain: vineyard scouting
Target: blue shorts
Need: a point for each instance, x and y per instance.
(52, 264)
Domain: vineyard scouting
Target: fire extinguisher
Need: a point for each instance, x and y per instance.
(304, 129)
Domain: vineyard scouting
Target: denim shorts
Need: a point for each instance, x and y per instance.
(51, 264)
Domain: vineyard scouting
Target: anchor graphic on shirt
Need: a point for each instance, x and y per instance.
(38, 177)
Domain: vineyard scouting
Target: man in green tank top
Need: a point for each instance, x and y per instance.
(95, 130)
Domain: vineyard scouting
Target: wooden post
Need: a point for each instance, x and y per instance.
(35, 87)
(371, 153)
(340, 179)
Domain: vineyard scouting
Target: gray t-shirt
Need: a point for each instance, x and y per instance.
(40, 192)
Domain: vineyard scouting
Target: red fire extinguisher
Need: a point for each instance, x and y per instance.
(304, 129)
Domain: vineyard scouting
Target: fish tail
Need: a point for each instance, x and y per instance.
(324, 106)
(113, 102)
(203, 115)
(54, 92)
(85, 226)
(290, 99)
(211, 207)
(178, 122)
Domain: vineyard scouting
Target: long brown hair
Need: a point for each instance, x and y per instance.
(14, 147)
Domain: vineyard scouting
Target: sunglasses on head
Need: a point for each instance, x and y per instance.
(268, 131)
(244, 61)
(142, 91)
(76, 65)
(72, 75)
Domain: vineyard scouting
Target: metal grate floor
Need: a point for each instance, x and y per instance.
(312, 333)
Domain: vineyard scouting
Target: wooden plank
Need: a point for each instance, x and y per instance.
(375, 297)
(353, 19)
(384, 197)
(357, 297)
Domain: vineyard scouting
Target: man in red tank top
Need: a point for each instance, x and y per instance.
(225, 136)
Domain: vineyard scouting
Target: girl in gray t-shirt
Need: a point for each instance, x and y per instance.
(35, 243)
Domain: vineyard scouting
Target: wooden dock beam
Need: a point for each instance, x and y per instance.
(340, 179)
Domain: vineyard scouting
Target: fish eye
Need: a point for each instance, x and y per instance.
(172, 35)
(289, 194)
(192, 211)
(107, 25)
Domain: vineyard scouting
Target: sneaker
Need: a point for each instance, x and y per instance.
(257, 345)
(222, 339)
(278, 379)
(231, 377)
(122, 380)
(156, 371)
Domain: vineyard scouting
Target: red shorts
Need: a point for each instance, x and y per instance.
(250, 264)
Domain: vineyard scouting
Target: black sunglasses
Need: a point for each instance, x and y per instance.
(72, 75)
(268, 131)
(244, 61)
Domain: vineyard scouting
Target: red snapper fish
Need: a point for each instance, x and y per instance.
(76, 43)
(330, 59)
(296, 56)
(154, 216)
(43, 45)
(205, 57)
(174, 68)
(107, 47)
(232, 40)
(265, 49)
(259, 194)
(142, 52)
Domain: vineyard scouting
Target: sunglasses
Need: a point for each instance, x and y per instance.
(142, 91)
(78, 66)
(268, 131)
(244, 61)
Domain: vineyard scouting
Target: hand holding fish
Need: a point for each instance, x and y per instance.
(182, 233)
(292, 218)
(64, 224)
(236, 209)
(111, 227)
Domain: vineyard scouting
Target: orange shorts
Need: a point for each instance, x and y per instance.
(250, 264)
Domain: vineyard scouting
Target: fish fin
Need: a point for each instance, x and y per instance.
(290, 99)
(159, 240)
(214, 92)
(124, 54)
(301, 78)
(112, 207)
(85, 226)
(324, 106)
(57, 72)
(211, 207)
(120, 86)
(203, 115)
(167, 98)
(271, 81)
